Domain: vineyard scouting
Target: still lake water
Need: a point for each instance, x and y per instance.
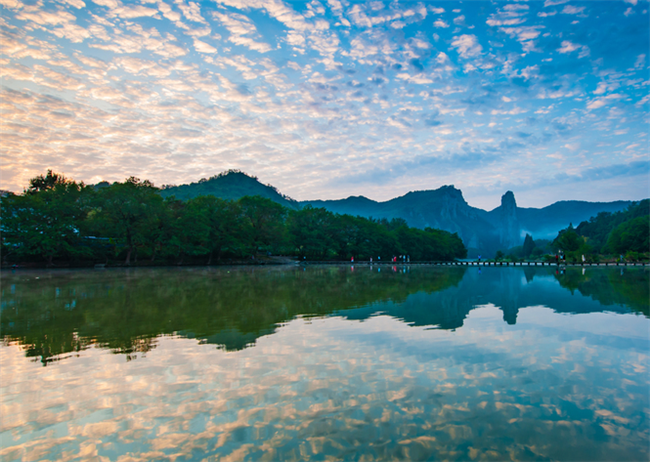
(352, 363)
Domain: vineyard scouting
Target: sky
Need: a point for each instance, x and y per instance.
(329, 99)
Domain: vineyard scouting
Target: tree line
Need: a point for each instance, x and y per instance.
(57, 219)
(625, 233)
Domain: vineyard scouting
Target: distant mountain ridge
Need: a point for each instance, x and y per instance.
(231, 185)
(483, 232)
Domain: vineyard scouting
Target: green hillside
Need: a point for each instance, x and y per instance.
(229, 185)
(620, 231)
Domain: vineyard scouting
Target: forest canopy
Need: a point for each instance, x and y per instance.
(624, 233)
(59, 220)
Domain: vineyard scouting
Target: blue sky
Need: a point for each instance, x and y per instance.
(330, 99)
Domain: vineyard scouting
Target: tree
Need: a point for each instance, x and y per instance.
(529, 245)
(127, 212)
(190, 227)
(632, 236)
(568, 240)
(48, 182)
(598, 229)
(263, 222)
(46, 220)
(311, 231)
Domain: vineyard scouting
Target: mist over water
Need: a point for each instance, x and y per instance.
(346, 362)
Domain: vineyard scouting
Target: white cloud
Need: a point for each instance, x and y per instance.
(240, 27)
(419, 79)
(640, 62)
(108, 3)
(168, 13)
(467, 46)
(510, 15)
(515, 7)
(335, 5)
(554, 2)
(191, 11)
(46, 18)
(203, 47)
(132, 12)
(597, 103)
(643, 100)
(296, 39)
(420, 44)
(75, 3)
(442, 58)
(494, 21)
(523, 33)
(291, 19)
(569, 47)
(440, 23)
(72, 32)
(11, 4)
(570, 9)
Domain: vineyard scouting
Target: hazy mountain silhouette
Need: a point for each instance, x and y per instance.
(483, 232)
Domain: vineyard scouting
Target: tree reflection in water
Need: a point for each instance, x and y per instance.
(57, 313)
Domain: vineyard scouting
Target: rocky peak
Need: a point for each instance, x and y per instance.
(508, 201)
(449, 192)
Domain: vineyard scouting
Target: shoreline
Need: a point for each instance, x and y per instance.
(289, 262)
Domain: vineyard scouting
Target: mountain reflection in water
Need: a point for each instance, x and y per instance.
(55, 313)
(418, 363)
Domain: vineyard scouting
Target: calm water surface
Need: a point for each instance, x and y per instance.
(349, 363)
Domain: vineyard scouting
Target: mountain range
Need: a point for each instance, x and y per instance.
(483, 232)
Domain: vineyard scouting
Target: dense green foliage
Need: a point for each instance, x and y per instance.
(626, 233)
(59, 219)
(598, 229)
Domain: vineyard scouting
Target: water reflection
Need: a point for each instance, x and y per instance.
(55, 314)
(433, 371)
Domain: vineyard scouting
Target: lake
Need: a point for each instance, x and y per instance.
(331, 362)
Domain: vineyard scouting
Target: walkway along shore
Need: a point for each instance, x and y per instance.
(473, 263)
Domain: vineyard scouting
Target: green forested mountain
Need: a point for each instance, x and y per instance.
(229, 185)
(483, 232)
(60, 220)
(620, 231)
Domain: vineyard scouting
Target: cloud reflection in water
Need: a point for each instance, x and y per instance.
(551, 386)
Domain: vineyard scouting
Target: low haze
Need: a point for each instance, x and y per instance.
(329, 99)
